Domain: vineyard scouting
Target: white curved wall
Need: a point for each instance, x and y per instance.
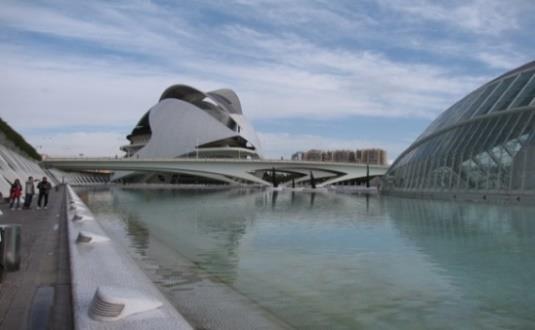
(15, 166)
(248, 132)
(78, 178)
(231, 100)
(178, 126)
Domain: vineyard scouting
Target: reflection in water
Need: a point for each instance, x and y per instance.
(274, 196)
(187, 223)
(138, 232)
(325, 260)
(487, 250)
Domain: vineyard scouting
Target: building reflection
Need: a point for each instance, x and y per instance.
(486, 251)
(205, 230)
(138, 233)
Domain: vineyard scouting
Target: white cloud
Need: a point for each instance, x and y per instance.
(296, 79)
(87, 144)
(501, 59)
(114, 59)
(50, 98)
(474, 16)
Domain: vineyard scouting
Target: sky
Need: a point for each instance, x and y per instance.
(76, 76)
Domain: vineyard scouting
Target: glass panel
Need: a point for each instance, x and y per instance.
(469, 101)
(506, 158)
(428, 173)
(480, 100)
(406, 178)
(463, 134)
(523, 138)
(444, 176)
(518, 169)
(485, 163)
(507, 129)
(442, 141)
(527, 95)
(491, 100)
(490, 133)
(460, 157)
(410, 171)
(477, 143)
(506, 171)
(421, 181)
(513, 146)
(529, 176)
(529, 127)
(472, 174)
(456, 111)
(513, 91)
(494, 175)
(416, 175)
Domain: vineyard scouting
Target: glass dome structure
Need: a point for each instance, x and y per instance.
(483, 145)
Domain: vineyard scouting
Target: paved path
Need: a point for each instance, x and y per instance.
(38, 296)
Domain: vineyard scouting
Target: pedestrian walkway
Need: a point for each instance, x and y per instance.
(38, 296)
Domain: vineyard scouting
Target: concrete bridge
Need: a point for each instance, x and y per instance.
(232, 171)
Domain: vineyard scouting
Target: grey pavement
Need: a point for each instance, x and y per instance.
(38, 296)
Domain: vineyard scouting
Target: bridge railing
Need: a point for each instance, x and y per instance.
(200, 159)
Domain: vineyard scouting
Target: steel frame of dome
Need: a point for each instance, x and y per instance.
(482, 147)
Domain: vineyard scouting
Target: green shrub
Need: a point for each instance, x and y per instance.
(18, 140)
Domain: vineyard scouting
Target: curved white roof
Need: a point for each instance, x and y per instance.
(186, 118)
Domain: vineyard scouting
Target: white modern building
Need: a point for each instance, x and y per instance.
(189, 123)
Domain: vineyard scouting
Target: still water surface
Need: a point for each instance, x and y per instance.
(338, 261)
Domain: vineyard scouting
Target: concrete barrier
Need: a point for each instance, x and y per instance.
(109, 290)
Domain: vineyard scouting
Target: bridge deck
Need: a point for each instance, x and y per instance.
(227, 170)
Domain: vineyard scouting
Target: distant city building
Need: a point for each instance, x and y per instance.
(360, 156)
(300, 155)
(313, 155)
(373, 156)
(327, 156)
(341, 155)
(483, 146)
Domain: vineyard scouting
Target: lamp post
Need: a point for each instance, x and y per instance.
(367, 175)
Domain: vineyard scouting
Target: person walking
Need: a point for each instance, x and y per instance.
(14, 195)
(44, 188)
(29, 191)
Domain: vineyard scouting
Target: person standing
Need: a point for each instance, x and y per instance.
(14, 194)
(44, 188)
(29, 191)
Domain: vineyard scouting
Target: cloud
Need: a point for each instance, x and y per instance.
(492, 17)
(294, 78)
(78, 65)
(501, 59)
(87, 144)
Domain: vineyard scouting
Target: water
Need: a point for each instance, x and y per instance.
(332, 261)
